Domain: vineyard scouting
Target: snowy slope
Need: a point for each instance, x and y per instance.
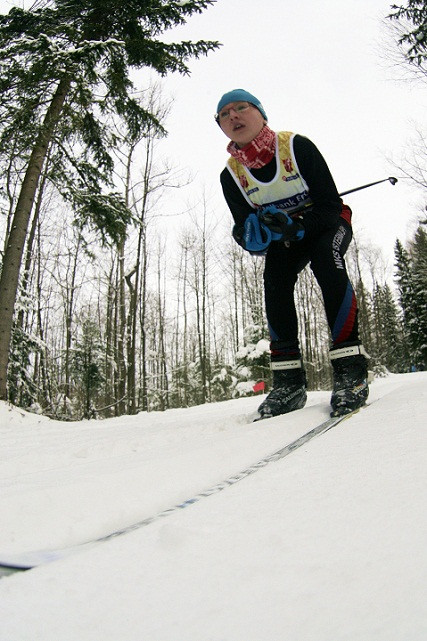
(328, 544)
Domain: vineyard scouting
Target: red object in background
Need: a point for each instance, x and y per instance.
(259, 387)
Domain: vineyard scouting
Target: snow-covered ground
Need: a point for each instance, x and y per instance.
(327, 544)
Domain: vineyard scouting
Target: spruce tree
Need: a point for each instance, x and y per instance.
(413, 39)
(64, 69)
(413, 302)
(87, 363)
(418, 254)
(388, 350)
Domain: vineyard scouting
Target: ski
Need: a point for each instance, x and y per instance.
(29, 560)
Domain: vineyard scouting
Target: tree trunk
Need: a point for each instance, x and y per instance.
(109, 398)
(121, 332)
(16, 241)
(70, 289)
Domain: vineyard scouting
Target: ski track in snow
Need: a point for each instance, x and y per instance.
(337, 529)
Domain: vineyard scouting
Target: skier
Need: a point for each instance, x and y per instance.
(286, 206)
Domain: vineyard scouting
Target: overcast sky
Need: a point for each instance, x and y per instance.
(317, 66)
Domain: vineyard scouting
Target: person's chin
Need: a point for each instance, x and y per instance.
(242, 142)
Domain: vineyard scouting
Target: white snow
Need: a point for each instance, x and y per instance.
(327, 544)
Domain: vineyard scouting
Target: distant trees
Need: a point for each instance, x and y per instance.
(199, 333)
(389, 349)
(412, 286)
(64, 71)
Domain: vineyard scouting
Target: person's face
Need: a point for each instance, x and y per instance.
(241, 122)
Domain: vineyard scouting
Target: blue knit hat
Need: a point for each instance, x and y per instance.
(240, 94)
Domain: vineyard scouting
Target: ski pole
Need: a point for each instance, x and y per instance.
(350, 191)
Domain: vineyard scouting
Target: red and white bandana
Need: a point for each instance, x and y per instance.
(258, 152)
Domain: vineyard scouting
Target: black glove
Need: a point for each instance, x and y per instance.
(281, 223)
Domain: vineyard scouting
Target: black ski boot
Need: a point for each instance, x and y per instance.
(289, 391)
(350, 391)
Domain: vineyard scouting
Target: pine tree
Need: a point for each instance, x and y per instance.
(413, 39)
(413, 303)
(87, 363)
(64, 69)
(389, 348)
(418, 253)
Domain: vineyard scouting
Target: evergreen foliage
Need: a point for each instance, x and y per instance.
(418, 253)
(388, 347)
(413, 40)
(411, 282)
(23, 389)
(87, 365)
(91, 48)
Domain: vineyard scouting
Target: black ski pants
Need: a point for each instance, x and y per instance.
(325, 254)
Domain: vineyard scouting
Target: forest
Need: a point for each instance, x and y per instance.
(99, 315)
